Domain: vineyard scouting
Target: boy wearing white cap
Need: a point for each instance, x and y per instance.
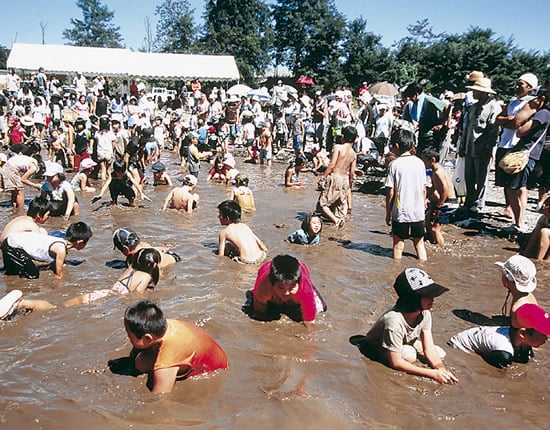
(183, 197)
(406, 329)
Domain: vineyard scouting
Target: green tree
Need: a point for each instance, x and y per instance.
(4, 54)
(308, 39)
(365, 57)
(95, 29)
(240, 28)
(175, 28)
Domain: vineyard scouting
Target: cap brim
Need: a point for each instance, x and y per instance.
(431, 291)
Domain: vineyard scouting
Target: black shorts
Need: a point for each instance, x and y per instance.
(408, 230)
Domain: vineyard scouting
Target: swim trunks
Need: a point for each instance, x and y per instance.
(259, 260)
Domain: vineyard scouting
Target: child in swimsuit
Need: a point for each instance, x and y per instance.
(242, 194)
(127, 241)
(160, 177)
(309, 233)
(138, 277)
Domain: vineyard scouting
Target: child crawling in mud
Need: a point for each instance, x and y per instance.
(142, 274)
(167, 350)
(406, 329)
(284, 286)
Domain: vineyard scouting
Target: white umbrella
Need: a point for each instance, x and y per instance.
(239, 90)
(261, 93)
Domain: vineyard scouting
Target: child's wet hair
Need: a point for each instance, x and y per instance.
(147, 260)
(429, 153)
(38, 206)
(145, 317)
(404, 139)
(78, 231)
(230, 209)
(119, 166)
(285, 269)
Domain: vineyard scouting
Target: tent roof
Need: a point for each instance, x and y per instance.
(121, 62)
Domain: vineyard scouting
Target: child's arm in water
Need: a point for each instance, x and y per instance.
(104, 188)
(60, 252)
(167, 200)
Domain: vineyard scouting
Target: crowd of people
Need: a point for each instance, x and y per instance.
(108, 140)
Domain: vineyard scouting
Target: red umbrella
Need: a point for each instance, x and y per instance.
(304, 80)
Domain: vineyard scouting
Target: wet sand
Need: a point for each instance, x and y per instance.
(282, 375)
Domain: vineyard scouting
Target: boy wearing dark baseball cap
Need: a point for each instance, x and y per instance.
(406, 329)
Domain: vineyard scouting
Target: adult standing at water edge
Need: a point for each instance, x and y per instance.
(532, 135)
(509, 139)
(480, 134)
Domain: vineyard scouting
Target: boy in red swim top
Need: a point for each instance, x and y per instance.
(168, 350)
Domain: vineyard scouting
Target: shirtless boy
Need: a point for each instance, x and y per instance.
(38, 213)
(243, 245)
(183, 197)
(339, 175)
(440, 194)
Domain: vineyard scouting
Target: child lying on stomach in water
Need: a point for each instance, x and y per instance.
(167, 350)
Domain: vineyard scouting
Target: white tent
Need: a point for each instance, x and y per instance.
(67, 59)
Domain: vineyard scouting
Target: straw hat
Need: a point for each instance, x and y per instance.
(27, 121)
(483, 85)
(474, 76)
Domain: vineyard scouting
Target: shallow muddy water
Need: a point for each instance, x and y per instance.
(282, 375)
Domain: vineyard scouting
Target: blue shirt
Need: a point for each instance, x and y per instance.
(302, 238)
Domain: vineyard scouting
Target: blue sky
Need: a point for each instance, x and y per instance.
(386, 18)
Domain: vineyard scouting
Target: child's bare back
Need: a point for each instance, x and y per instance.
(247, 247)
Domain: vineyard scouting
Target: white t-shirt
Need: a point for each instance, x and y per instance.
(105, 142)
(483, 340)
(407, 177)
(508, 138)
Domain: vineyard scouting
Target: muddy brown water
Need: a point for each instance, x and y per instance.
(282, 375)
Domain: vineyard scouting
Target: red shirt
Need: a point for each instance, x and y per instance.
(16, 135)
(305, 295)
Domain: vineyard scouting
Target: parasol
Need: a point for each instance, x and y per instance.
(304, 81)
(383, 89)
(239, 90)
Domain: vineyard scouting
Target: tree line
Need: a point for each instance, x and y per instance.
(312, 38)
